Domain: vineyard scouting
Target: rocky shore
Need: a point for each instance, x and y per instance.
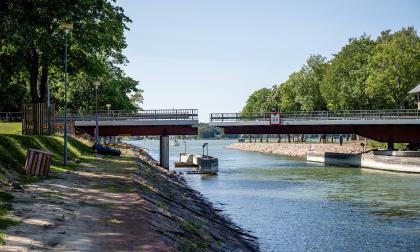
(298, 149)
(184, 218)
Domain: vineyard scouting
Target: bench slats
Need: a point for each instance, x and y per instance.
(37, 162)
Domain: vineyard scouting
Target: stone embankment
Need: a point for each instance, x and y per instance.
(298, 149)
(184, 218)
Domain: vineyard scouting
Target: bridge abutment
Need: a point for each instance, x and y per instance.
(164, 151)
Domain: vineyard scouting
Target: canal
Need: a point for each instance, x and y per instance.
(294, 205)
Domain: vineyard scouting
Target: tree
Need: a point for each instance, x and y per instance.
(288, 100)
(394, 69)
(114, 89)
(205, 131)
(344, 84)
(31, 30)
(273, 100)
(12, 84)
(307, 86)
(255, 101)
(364, 74)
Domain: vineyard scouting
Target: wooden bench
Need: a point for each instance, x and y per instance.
(37, 162)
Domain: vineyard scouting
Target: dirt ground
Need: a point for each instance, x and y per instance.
(95, 208)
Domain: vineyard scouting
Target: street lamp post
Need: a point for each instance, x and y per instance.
(66, 27)
(96, 83)
(108, 106)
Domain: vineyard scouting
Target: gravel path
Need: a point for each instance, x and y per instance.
(95, 208)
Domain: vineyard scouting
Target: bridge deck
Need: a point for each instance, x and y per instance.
(357, 117)
(140, 122)
(380, 125)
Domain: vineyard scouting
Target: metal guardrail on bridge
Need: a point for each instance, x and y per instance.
(118, 115)
(10, 116)
(320, 115)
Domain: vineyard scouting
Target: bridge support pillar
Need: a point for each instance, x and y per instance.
(164, 152)
(390, 145)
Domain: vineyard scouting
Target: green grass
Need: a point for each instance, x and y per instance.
(13, 150)
(10, 127)
(380, 145)
(113, 188)
(5, 206)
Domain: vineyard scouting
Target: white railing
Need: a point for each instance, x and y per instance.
(10, 116)
(118, 115)
(320, 115)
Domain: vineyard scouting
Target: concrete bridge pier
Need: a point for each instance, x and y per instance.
(390, 145)
(164, 151)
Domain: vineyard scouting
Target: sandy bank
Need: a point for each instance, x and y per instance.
(94, 208)
(297, 149)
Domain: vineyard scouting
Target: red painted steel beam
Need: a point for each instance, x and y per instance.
(141, 130)
(384, 133)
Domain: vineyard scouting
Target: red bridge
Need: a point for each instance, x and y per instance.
(161, 123)
(389, 126)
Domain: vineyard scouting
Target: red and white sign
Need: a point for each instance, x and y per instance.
(275, 118)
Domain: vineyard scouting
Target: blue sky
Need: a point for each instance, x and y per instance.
(211, 55)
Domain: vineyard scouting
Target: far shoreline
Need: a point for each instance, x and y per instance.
(297, 150)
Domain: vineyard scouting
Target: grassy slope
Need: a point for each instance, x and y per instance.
(13, 150)
(10, 127)
(12, 160)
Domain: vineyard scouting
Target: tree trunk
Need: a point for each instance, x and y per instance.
(43, 89)
(32, 66)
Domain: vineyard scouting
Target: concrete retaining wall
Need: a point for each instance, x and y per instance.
(397, 153)
(389, 163)
(186, 158)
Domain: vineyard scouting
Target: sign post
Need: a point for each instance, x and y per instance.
(275, 118)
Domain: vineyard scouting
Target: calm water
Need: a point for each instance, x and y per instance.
(294, 205)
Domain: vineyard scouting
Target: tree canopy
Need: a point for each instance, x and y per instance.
(394, 68)
(344, 85)
(32, 53)
(365, 74)
(256, 100)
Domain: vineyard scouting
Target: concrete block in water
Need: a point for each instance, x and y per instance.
(380, 162)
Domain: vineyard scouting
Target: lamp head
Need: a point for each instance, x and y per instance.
(97, 84)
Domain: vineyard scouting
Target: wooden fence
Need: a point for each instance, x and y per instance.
(37, 119)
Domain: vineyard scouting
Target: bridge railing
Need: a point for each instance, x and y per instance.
(119, 115)
(319, 115)
(10, 116)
